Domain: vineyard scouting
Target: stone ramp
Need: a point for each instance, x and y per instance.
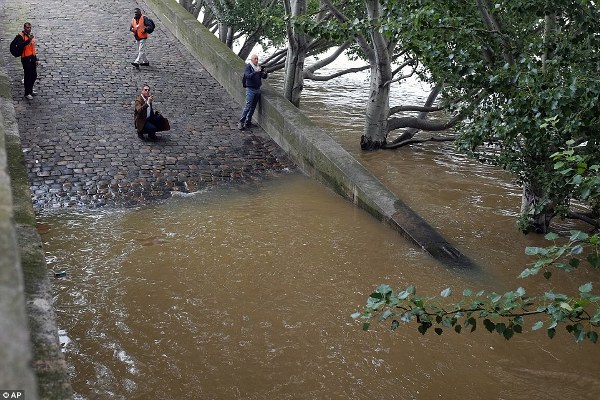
(77, 135)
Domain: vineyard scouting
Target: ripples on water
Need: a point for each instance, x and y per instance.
(246, 293)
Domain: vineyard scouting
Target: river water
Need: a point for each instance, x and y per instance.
(246, 293)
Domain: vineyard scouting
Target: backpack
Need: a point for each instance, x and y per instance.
(16, 46)
(244, 80)
(149, 24)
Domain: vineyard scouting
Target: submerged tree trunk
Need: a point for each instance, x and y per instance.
(378, 105)
(536, 218)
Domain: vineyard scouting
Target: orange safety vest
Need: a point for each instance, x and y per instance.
(28, 50)
(138, 28)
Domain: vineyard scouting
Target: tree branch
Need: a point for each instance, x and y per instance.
(582, 217)
(395, 145)
(424, 109)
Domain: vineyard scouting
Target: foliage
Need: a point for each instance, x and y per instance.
(249, 16)
(538, 61)
(506, 313)
(578, 176)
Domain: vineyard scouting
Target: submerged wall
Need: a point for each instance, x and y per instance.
(315, 152)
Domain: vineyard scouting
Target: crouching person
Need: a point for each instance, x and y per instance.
(146, 119)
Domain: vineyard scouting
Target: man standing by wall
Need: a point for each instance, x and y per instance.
(26, 41)
(141, 26)
(253, 76)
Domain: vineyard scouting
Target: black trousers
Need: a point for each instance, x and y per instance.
(152, 124)
(29, 73)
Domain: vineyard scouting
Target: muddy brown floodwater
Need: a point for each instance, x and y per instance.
(246, 293)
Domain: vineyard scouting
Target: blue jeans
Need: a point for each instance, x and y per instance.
(252, 97)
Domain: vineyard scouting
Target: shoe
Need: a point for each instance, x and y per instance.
(152, 137)
(146, 64)
(141, 136)
(248, 125)
(34, 93)
(240, 126)
(136, 65)
(29, 97)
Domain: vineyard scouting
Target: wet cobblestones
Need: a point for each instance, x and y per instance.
(77, 135)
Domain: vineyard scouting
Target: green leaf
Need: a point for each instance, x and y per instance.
(507, 333)
(551, 236)
(385, 315)
(574, 262)
(457, 328)
(594, 260)
(395, 324)
(473, 322)
(446, 292)
(383, 289)
(365, 326)
(547, 274)
(592, 336)
(467, 293)
(566, 306)
(423, 328)
(527, 272)
(537, 325)
(586, 288)
(532, 251)
(403, 295)
(356, 315)
(489, 325)
(500, 327)
(376, 296)
(578, 236)
(578, 249)
(551, 332)
(439, 331)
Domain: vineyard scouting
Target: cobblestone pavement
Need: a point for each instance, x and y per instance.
(77, 135)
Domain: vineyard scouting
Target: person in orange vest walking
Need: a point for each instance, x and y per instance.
(141, 26)
(26, 41)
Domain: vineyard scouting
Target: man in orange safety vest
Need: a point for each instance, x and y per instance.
(141, 26)
(26, 41)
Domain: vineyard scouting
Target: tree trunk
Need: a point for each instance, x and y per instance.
(223, 30)
(378, 105)
(248, 46)
(296, 54)
(376, 114)
(537, 220)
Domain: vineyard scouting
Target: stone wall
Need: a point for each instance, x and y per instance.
(30, 354)
(15, 346)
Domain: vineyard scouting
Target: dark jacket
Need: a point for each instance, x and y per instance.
(254, 78)
(140, 113)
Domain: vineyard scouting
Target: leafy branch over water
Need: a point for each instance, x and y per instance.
(508, 313)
